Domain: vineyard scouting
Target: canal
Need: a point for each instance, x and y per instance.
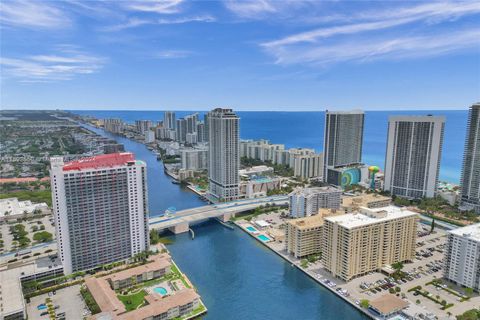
(237, 277)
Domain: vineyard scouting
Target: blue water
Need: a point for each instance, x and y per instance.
(251, 229)
(263, 238)
(305, 129)
(160, 290)
(237, 277)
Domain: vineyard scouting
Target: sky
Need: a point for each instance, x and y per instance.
(278, 55)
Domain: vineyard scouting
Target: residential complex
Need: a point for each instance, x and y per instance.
(357, 243)
(143, 125)
(470, 181)
(100, 208)
(169, 120)
(462, 256)
(305, 162)
(368, 200)
(306, 202)
(194, 158)
(165, 304)
(414, 149)
(343, 140)
(224, 154)
(114, 125)
(303, 236)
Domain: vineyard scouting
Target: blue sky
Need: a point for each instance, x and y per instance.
(249, 55)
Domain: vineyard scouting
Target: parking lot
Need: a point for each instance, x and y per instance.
(67, 301)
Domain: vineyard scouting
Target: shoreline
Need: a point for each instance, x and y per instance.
(286, 258)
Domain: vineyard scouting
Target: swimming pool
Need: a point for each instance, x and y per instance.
(252, 229)
(263, 238)
(160, 290)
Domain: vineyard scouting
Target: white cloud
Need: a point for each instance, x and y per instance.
(172, 54)
(250, 8)
(204, 18)
(155, 6)
(433, 12)
(32, 14)
(42, 68)
(375, 49)
(135, 22)
(376, 34)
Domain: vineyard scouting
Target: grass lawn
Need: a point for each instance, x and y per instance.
(34, 196)
(132, 301)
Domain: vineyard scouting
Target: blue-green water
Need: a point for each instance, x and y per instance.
(237, 277)
(305, 129)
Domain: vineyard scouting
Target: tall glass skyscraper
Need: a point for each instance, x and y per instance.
(343, 139)
(224, 154)
(470, 182)
(414, 149)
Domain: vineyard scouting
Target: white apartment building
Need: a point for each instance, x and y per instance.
(194, 158)
(224, 154)
(414, 150)
(306, 202)
(169, 121)
(357, 243)
(143, 125)
(462, 256)
(113, 125)
(305, 162)
(149, 136)
(100, 209)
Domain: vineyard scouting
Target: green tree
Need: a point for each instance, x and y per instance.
(43, 236)
(364, 303)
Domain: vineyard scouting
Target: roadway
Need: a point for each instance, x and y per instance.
(190, 216)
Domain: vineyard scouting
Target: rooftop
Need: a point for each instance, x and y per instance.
(100, 161)
(315, 220)
(388, 304)
(159, 262)
(314, 190)
(472, 231)
(366, 216)
(363, 200)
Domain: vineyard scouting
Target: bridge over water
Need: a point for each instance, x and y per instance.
(181, 220)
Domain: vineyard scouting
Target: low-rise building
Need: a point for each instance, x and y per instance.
(355, 244)
(11, 207)
(255, 171)
(305, 202)
(259, 187)
(462, 256)
(157, 268)
(368, 200)
(172, 306)
(388, 305)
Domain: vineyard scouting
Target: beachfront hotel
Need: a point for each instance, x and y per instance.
(470, 182)
(343, 141)
(224, 154)
(414, 149)
(305, 202)
(462, 256)
(100, 209)
(357, 243)
(303, 236)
